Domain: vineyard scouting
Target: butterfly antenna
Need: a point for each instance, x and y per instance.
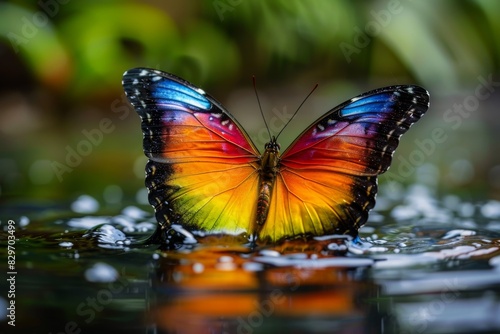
(260, 107)
(296, 111)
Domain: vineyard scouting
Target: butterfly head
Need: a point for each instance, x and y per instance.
(273, 145)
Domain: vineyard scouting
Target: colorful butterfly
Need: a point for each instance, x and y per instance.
(205, 173)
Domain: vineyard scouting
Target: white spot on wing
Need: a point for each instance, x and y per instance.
(156, 78)
(143, 73)
(135, 82)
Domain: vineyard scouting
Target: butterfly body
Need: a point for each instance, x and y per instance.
(269, 169)
(205, 173)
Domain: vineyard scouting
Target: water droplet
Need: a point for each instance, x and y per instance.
(85, 204)
(198, 268)
(101, 273)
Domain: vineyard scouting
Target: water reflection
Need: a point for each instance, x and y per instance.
(418, 274)
(214, 289)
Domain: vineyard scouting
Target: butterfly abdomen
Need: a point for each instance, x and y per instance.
(268, 172)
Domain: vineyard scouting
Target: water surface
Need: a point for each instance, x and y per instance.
(420, 265)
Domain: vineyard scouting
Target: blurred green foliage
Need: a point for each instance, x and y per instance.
(62, 63)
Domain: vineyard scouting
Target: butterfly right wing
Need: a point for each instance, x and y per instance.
(327, 180)
(203, 168)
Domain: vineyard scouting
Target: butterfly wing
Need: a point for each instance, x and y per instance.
(328, 176)
(202, 168)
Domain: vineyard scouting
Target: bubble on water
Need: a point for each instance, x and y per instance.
(198, 268)
(481, 252)
(85, 204)
(344, 262)
(134, 212)
(109, 235)
(225, 266)
(269, 252)
(24, 221)
(253, 266)
(495, 262)
(468, 223)
(378, 249)
(493, 225)
(491, 209)
(375, 217)
(367, 229)
(66, 244)
(333, 236)
(87, 222)
(125, 222)
(188, 236)
(225, 259)
(398, 261)
(466, 209)
(337, 247)
(113, 194)
(101, 273)
(145, 227)
(458, 233)
(456, 252)
(404, 212)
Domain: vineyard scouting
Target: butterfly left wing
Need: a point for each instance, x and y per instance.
(327, 178)
(202, 168)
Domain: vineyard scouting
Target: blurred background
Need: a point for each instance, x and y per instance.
(66, 128)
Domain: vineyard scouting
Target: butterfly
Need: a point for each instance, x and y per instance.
(205, 174)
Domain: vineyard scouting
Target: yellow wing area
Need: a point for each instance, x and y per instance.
(215, 197)
(309, 202)
(200, 179)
